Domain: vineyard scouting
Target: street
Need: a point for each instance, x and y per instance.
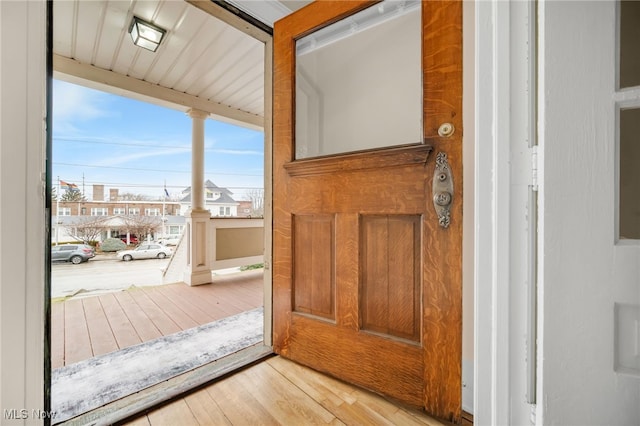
(104, 273)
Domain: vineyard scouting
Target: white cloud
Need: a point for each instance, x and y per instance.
(156, 152)
(72, 104)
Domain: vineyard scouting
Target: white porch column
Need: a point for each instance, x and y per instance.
(198, 270)
(197, 158)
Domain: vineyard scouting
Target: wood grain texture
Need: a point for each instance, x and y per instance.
(77, 343)
(102, 339)
(238, 404)
(123, 331)
(400, 190)
(347, 271)
(176, 314)
(145, 328)
(286, 30)
(156, 313)
(388, 157)
(352, 185)
(314, 265)
(442, 301)
(57, 330)
(91, 326)
(390, 275)
(285, 401)
(383, 365)
(204, 409)
(442, 67)
(177, 414)
(280, 392)
(350, 404)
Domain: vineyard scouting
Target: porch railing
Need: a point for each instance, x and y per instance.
(236, 242)
(231, 242)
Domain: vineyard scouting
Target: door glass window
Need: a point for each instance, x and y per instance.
(628, 121)
(629, 44)
(359, 82)
(629, 170)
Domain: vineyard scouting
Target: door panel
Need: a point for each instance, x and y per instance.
(390, 275)
(366, 283)
(313, 277)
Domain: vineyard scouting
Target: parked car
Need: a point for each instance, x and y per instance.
(74, 253)
(132, 239)
(145, 251)
(169, 241)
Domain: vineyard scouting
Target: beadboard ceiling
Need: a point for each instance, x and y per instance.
(203, 62)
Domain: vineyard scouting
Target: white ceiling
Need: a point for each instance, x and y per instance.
(203, 62)
(269, 11)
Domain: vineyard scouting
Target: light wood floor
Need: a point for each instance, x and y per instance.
(280, 392)
(91, 326)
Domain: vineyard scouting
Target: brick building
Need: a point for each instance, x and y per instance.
(114, 206)
(115, 214)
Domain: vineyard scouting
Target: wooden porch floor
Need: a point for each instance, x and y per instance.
(280, 392)
(91, 326)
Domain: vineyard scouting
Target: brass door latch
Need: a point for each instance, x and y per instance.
(442, 189)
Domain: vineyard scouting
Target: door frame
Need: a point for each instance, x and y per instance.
(23, 284)
(185, 382)
(505, 106)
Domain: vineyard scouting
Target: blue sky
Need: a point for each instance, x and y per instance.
(135, 146)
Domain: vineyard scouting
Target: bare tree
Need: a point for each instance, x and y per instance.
(87, 229)
(128, 196)
(256, 195)
(142, 226)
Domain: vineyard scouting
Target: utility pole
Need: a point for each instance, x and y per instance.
(57, 210)
(164, 200)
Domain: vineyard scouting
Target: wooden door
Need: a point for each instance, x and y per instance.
(366, 279)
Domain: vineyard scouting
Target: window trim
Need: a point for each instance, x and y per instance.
(623, 98)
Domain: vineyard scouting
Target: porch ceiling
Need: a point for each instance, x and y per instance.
(203, 62)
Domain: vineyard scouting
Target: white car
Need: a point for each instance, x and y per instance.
(170, 241)
(145, 251)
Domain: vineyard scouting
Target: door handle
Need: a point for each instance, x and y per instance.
(446, 130)
(442, 190)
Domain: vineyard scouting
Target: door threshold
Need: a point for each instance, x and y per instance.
(145, 399)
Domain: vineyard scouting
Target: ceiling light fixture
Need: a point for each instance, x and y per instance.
(145, 34)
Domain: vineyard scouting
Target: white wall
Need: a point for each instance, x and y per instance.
(22, 214)
(584, 271)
